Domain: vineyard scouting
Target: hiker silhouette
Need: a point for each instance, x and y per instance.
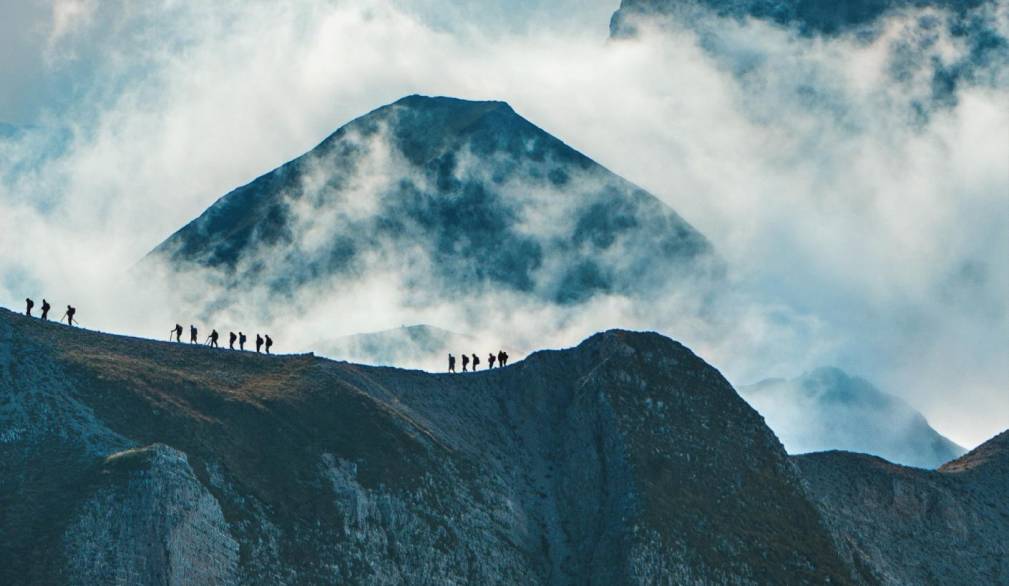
(502, 359)
(177, 332)
(192, 334)
(231, 340)
(45, 309)
(29, 304)
(490, 360)
(269, 343)
(465, 362)
(212, 340)
(70, 315)
(259, 343)
(476, 362)
(241, 341)
(451, 363)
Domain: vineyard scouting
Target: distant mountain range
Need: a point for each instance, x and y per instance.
(452, 198)
(625, 460)
(829, 410)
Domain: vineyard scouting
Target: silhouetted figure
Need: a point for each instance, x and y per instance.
(231, 340)
(29, 304)
(476, 362)
(269, 343)
(241, 341)
(45, 309)
(502, 359)
(212, 340)
(192, 334)
(70, 315)
(177, 332)
(490, 359)
(259, 343)
(451, 363)
(465, 362)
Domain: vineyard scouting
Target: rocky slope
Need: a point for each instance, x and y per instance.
(450, 197)
(900, 525)
(626, 460)
(827, 409)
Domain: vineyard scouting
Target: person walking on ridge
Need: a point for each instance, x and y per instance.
(231, 340)
(490, 360)
(259, 343)
(465, 362)
(45, 309)
(193, 339)
(212, 340)
(451, 363)
(269, 343)
(70, 315)
(502, 359)
(29, 304)
(476, 362)
(241, 341)
(177, 333)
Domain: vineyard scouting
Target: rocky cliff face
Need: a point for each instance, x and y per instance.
(452, 197)
(900, 525)
(626, 460)
(827, 409)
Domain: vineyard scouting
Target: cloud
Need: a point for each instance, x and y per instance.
(866, 225)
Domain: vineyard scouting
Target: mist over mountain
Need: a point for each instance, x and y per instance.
(418, 346)
(827, 409)
(810, 16)
(453, 198)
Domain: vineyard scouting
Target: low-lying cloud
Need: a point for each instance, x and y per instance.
(865, 224)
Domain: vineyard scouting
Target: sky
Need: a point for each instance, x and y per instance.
(867, 226)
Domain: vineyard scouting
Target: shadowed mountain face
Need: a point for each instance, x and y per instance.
(810, 16)
(626, 460)
(901, 525)
(828, 410)
(453, 198)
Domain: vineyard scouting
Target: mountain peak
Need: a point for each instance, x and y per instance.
(483, 200)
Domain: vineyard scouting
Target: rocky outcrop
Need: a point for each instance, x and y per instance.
(149, 521)
(627, 460)
(899, 525)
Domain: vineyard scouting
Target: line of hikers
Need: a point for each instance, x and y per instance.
(68, 315)
(175, 333)
(501, 357)
(211, 340)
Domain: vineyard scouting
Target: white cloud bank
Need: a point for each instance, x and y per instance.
(860, 233)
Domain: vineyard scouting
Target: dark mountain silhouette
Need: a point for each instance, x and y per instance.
(827, 409)
(454, 198)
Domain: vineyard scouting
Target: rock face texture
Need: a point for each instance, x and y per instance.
(899, 525)
(452, 197)
(626, 460)
(827, 409)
